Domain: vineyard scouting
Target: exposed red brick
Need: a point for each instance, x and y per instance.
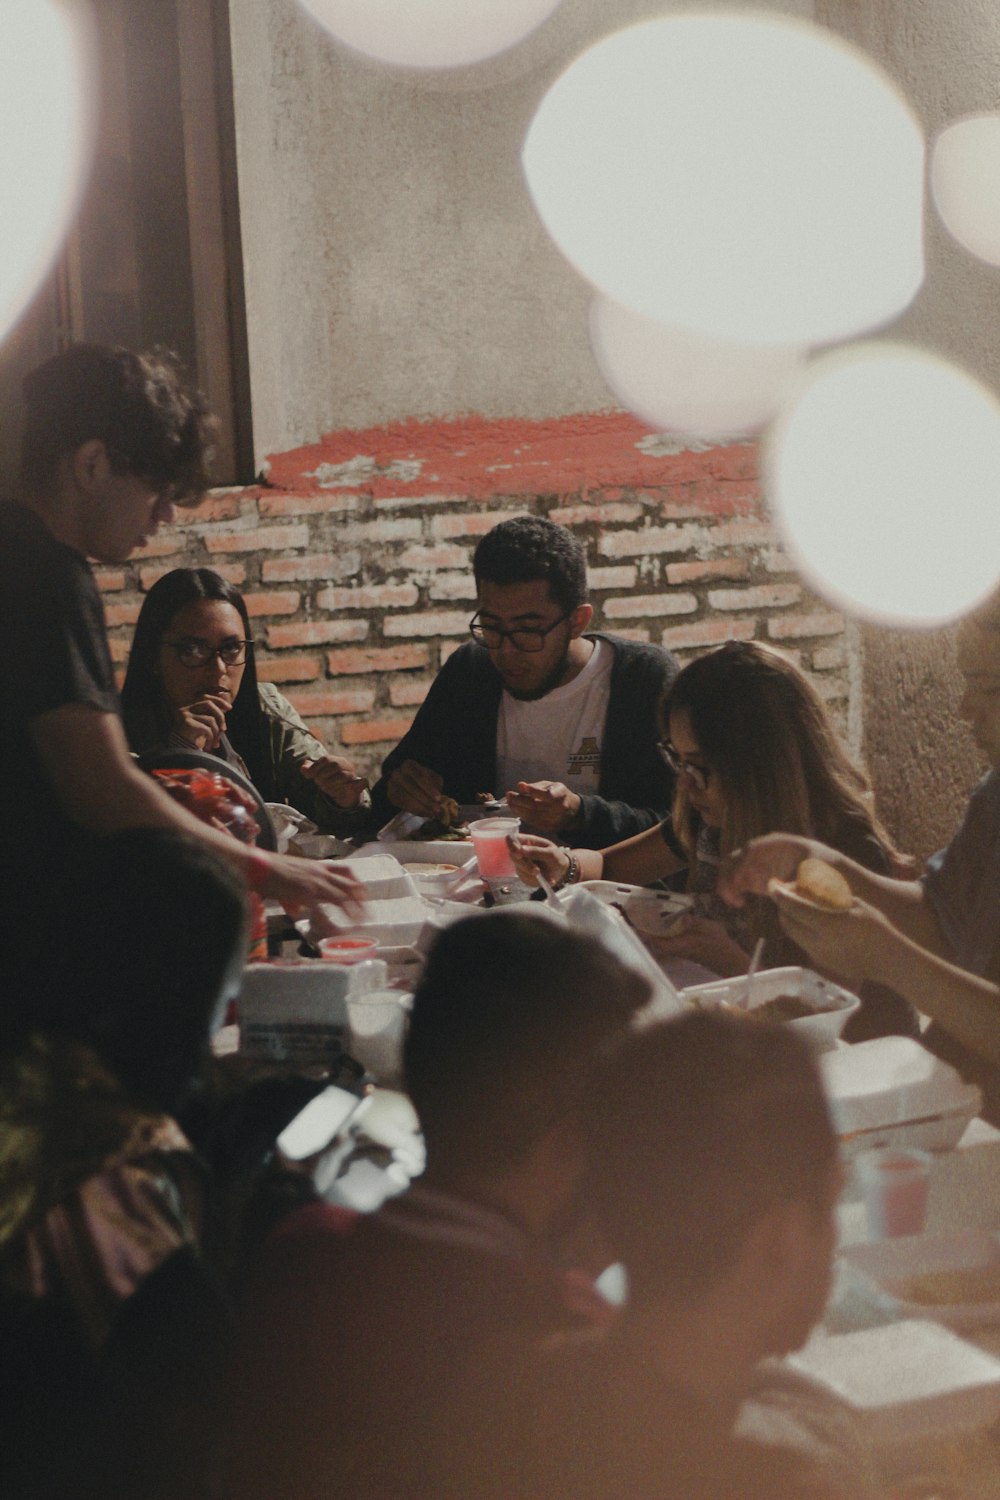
(764, 596)
(708, 633)
(218, 505)
(478, 525)
(369, 596)
(310, 568)
(377, 659)
(612, 578)
(374, 731)
(777, 561)
(109, 581)
(452, 622)
(452, 586)
(316, 633)
(119, 646)
(422, 502)
(261, 539)
(717, 567)
(829, 658)
(232, 572)
(164, 544)
(794, 627)
(419, 559)
(123, 612)
(314, 703)
(288, 668)
(366, 532)
(742, 534)
(603, 515)
(639, 606)
(631, 634)
(405, 692)
(278, 602)
(653, 539)
(337, 501)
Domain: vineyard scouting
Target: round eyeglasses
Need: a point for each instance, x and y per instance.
(194, 652)
(697, 776)
(493, 636)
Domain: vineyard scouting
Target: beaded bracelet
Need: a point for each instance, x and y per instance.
(572, 874)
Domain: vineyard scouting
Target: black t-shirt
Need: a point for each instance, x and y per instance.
(53, 651)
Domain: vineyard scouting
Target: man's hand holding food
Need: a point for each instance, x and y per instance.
(548, 806)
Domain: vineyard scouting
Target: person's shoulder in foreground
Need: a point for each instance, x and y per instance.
(714, 1176)
(384, 1320)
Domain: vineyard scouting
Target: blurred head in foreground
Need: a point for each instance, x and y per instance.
(978, 645)
(509, 1020)
(715, 1177)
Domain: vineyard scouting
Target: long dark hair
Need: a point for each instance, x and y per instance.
(766, 733)
(144, 707)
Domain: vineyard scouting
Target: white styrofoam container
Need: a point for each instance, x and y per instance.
(893, 1092)
(886, 1265)
(296, 1010)
(652, 913)
(907, 1382)
(394, 922)
(833, 1004)
(381, 874)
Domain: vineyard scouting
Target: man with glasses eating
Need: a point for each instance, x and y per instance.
(561, 721)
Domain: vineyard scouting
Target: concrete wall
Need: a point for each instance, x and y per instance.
(394, 264)
(946, 56)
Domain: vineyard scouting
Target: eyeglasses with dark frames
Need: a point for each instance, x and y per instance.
(194, 652)
(697, 775)
(493, 636)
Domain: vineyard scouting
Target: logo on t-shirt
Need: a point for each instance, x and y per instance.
(587, 758)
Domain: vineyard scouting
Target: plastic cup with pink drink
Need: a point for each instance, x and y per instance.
(489, 839)
(895, 1182)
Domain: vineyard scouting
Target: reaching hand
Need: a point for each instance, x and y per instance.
(851, 945)
(203, 723)
(415, 789)
(336, 778)
(307, 884)
(546, 805)
(531, 854)
(776, 856)
(701, 941)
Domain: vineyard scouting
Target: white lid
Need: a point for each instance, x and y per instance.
(889, 1081)
(396, 921)
(381, 874)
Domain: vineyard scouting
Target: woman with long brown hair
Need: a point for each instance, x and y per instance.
(754, 751)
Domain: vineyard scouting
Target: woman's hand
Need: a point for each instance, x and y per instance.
(531, 854)
(702, 941)
(337, 778)
(306, 884)
(776, 856)
(851, 945)
(203, 723)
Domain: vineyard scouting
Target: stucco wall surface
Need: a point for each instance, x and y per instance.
(945, 54)
(394, 264)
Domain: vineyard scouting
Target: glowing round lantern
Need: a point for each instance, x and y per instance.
(678, 381)
(46, 134)
(884, 475)
(965, 183)
(430, 33)
(741, 175)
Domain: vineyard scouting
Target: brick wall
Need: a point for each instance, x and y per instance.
(355, 557)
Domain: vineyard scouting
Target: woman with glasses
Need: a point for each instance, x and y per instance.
(192, 683)
(754, 752)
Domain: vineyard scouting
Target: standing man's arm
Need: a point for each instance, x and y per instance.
(86, 759)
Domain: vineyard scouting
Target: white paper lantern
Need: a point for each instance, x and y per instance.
(965, 183)
(678, 381)
(430, 33)
(745, 176)
(884, 475)
(46, 138)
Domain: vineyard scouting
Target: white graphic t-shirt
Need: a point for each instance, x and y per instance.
(558, 737)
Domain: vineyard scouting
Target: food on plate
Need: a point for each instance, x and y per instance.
(444, 826)
(821, 884)
(953, 1287)
(484, 798)
(787, 1008)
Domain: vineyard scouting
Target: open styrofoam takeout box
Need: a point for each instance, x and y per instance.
(653, 913)
(911, 1381)
(462, 885)
(885, 1271)
(832, 1005)
(296, 1010)
(893, 1092)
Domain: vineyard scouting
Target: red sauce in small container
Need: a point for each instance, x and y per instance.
(347, 950)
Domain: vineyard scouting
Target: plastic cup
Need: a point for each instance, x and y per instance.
(895, 1182)
(376, 1023)
(489, 839)
(338, 950)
